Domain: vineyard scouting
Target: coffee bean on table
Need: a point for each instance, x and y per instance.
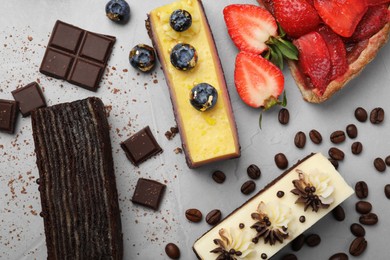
(213, 217)
(352, 131)
(358, 246)
(361, 189)
(289, 257)
(361, 114)
(313, 240)
(283, 116)
(315, 136)
(253, 171)
(194, 215)
(281, 161)
(357, 230)
(387, 191)
(339, 256)
(300, 140)
(338, 213)
(172, 251)
(334, 162)
(387, 160)
(219, 176)
(356, 148)
(298, 242)
(248, 187)
(369, 219)
(379, 164)
(337, 137)
(377, 115)
(336, 153)
(363, 207)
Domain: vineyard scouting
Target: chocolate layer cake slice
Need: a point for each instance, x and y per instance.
(77, 182)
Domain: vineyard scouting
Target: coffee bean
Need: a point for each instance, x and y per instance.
(289, 257)
(315, 136)
(213, 217)
(369, 219)
(387, 160)
(253, 171)
(379, 164)
(387, 191)
(283, 116)
(300, 140)
(298, 242)
(361, 114)
(172, 251)
(363, 207)
(361, 189)
(358, 246)
(377, 115)
(219, 177)
(336, 154)
(352, 131)
(339, 256)
(248, 187)
(334, 162)
(280, 194)
(357, 230)
(337, 137)
(338, 213)
(194, 215)
(313, 240)
(281, 161)
(356, 148)
(302, 219)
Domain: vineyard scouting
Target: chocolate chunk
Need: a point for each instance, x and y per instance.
(363, 207)
(361, 189)
(300, 140)
(280, 194)
(352, 131)
(334, 162)
(148, 193)
(141, 146)
(337, 137)
(377, 115)
(339, 256)
(172, 251)
(358, 246)
(253, 171)
(369, 219)
(387, 160)
(379, 164)
(218, 176)
(356, 148)
(194, 215)
(336, 154)
(313, 240)
(289, 257)
(29, 97)
(213, 217)
(281, 161)
(283, 116)
(248, 187)
(77, 55)
(8, 115)
(302, 219)
(357, 230)
(263, 256)
(315, 136)
(241, 226)
(298, 242)
(387, 191)
(338, 213)
(361, 114)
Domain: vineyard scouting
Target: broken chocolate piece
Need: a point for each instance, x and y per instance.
(29, 98)
(148, 193)
(8, 113)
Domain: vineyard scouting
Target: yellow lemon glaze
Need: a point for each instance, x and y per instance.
(207, 136)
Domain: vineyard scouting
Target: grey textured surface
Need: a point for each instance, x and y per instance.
(138, 100)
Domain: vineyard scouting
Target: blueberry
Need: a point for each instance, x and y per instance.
(203, 96)
(142, 57)
(184, 56)
(180, 20)
(118, 11)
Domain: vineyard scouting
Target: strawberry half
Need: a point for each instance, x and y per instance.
(342, 16)
(249, 26)
(296, 17)
(314, 60)
(259, 83)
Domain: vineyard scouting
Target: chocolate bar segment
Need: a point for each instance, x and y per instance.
(29, 97)
(77, 182)
(8, 114)
(148, 193)
(77, 55)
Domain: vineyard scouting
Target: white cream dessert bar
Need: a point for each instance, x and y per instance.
(270, 220)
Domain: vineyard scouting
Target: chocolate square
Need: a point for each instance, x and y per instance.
(29, 98)
(66, 37)
(96, 47)
(85, 74)
(141, 146)
(148, 193)
(56, 64)
(8, 114)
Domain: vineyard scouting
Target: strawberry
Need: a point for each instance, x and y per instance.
(337, 52)
(375, 18)
(259, 83)
(296, 17)
(314, 60)
(377, 2)
(268, 4)
(342, 16)
(249, 26)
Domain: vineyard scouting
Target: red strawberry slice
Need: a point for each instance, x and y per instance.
(314, 60)
(377, 2)
(296, 17)
(342, 16)
(258, 82)
(337, 52)
(249, 26)
(375, 18)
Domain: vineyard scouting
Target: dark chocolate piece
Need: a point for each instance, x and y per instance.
(29, 97)
(141, 146)
(148, 193)
(8, 114)
(77, 181)
(77, 55)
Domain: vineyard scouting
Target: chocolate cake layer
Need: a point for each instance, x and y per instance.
(77, 182)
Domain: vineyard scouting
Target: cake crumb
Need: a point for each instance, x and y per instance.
(178, 150)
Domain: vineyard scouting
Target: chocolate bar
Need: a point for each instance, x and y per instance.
(76, 55)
